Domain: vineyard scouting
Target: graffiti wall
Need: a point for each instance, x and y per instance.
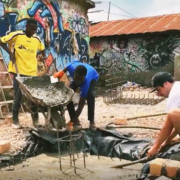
(115, 54)
(62, 26)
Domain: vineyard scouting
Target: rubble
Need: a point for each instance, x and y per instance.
(4, 146)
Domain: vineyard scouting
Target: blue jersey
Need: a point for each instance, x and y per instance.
(91, 75)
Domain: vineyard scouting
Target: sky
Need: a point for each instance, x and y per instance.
(135, 8)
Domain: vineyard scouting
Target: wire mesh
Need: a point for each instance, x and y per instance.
(131, 95)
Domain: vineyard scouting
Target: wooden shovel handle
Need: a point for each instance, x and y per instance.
(131, 163)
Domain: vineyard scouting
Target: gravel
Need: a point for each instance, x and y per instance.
(104, 114)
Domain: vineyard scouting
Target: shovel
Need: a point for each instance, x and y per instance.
(143, 159)
(53, 80)
(131, 163)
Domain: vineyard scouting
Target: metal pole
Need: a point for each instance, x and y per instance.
(109, 10)
(59, 150)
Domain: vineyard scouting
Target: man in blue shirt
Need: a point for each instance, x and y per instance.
(84, 76)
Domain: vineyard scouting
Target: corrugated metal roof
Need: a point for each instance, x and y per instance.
(136, 25)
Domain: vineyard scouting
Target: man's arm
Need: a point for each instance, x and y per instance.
(84, 91)
(80, 106)
(60, 73)
(5, 47)
(165, 132)
(172, 135)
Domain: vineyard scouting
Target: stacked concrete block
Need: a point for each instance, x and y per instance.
(166, 167)
(177, 67)
(163, 178)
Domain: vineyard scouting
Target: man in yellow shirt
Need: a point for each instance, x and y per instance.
(22, 48)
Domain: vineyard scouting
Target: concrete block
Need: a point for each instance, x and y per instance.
(172, 168)
(4, 146)
(163, 178)
(166, 167)
(156, 166)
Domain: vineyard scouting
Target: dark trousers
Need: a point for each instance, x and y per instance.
(90, 101)
(17, 100)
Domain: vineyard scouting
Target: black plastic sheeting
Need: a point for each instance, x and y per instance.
(101, 142)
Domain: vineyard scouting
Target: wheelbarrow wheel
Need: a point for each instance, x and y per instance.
(57, 121)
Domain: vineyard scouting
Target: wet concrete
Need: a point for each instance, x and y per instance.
(49, 94)
(47, 167)
(41, 88)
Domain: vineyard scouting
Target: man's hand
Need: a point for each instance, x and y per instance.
(12, 57)
(163, 145)
(152, 151)
(59, 74)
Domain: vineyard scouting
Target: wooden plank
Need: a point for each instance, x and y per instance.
(4, 98)
(7, 87)
(5, 79)
(3, 67)
(6, 102)
(4, 72)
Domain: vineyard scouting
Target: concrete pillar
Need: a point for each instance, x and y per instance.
(177, 67)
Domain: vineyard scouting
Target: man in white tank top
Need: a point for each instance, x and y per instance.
(165, 86)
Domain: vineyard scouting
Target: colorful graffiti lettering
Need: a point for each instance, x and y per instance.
(65, 34)
(133, 55)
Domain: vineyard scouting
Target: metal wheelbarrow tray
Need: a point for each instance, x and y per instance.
(42, 92)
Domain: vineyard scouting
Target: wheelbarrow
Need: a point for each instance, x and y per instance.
(50, 98)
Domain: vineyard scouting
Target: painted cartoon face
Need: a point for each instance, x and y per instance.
(122, 44)
(160, 52)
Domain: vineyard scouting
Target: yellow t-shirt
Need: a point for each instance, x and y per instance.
(25, 50)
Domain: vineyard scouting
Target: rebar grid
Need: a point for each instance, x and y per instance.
(131, 95)
(72, 149)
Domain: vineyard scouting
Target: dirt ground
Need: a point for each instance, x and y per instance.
(104, 114)
(47, 167)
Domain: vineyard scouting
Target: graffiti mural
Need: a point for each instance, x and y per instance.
(133, 55)
(62, 26)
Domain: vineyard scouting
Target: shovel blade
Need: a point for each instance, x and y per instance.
(53, 80)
